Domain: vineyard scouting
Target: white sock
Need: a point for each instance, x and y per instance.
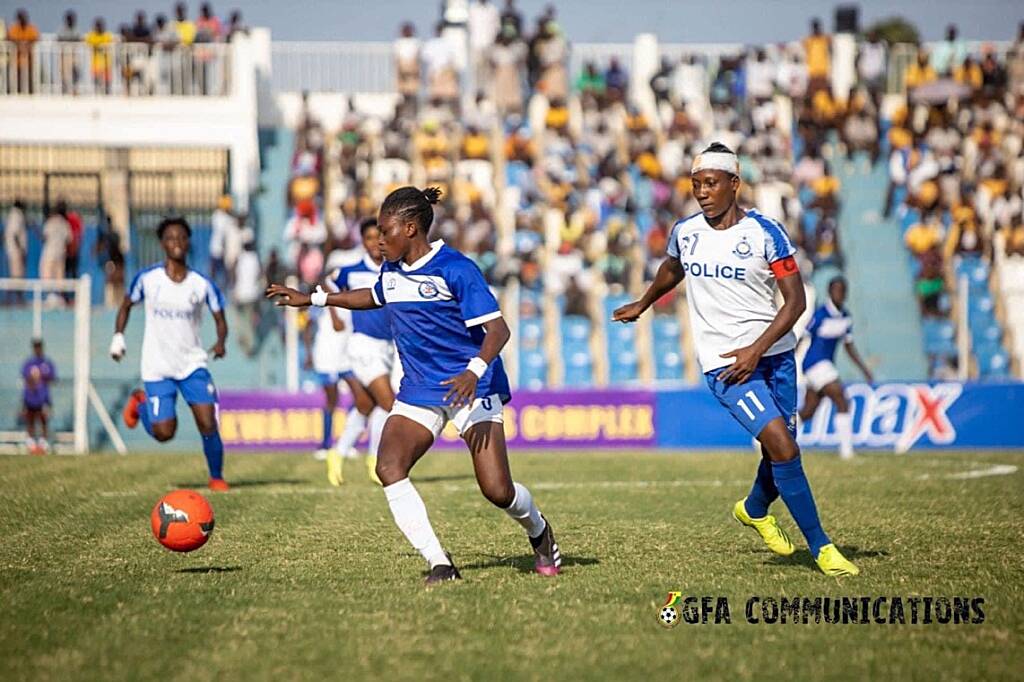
(525, 512)
(844, 429)
(355, 422)
(377, 419)
(411, 517)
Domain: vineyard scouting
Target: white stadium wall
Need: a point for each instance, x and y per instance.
(118, 121)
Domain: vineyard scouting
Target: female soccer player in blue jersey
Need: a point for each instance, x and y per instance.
(173, 357)
(735, 259)
(449, 331)
(830, 323)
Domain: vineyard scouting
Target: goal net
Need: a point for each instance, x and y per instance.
(58, 313)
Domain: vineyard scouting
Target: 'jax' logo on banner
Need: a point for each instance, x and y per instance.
(890, 415)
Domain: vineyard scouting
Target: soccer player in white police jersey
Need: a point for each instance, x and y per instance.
(449, 331)
(173, 359)
(732, 261)
(830, 323)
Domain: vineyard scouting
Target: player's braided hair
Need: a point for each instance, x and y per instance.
(410, 204)
(717, 148)
(173, 220)
(366, 224)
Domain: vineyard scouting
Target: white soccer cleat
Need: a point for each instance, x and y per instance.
(320, 455)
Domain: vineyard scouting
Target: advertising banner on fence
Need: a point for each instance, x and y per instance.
(896, 416)
(550, 419)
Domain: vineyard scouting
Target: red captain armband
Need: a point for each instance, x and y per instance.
(785, 267)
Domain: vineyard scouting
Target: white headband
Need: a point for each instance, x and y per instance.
(723, 161)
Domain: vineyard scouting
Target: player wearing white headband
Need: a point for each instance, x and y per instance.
(733, 260)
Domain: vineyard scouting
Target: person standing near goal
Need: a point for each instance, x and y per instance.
(733, 261)
(173, 358)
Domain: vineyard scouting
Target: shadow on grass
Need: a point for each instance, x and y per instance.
(524, 563)
(802, 557)
(449, 477)
(210, 569)
(247, 483)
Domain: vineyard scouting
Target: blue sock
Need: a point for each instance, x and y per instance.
(763, 492)
(328, 439)
(796, 493)
(144, 418)
(213, 448)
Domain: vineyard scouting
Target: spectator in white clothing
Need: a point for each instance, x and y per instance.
(220, 223)
(248, 291)
(484, 21)
(56, 237)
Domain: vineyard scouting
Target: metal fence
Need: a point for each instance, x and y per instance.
(332, 66)
(52, 67)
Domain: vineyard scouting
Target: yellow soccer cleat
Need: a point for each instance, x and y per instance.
(767, 527)
(334, 471)
(371, 469)
(832, 562)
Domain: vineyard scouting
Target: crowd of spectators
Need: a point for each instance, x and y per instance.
(165, 55)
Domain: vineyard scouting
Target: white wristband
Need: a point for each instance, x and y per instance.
(477, 366)
(318, 297)
(117, 344)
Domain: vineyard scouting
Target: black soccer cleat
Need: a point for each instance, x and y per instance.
(443, 573)
(548, 560)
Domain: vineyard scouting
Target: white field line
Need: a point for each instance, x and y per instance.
(995, 470)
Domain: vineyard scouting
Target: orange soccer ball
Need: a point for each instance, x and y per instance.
(182, 520)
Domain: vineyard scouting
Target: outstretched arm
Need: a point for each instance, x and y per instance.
(669, 275)
(794, 303)
(851, 350)
(357, 299)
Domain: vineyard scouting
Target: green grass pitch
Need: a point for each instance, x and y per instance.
(304, 581)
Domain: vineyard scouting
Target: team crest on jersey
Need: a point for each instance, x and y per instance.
(390, 283)
(743, 249)
(428, 290)
(193, 299)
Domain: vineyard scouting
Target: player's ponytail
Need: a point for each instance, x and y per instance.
(410, 204)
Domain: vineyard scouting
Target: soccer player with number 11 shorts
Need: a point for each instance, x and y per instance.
(732, 261)
(449, 331)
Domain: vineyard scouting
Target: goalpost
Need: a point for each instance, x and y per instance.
(33, 298)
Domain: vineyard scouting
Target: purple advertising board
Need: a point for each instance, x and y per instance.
(549, 419)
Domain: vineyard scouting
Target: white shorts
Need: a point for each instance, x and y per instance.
(371, 358)
(821, 374)
(434, 417)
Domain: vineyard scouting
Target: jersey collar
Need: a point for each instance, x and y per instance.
(420, 262)
(368, 262)
(831, 307)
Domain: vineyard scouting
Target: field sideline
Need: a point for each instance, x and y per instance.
(304, 581)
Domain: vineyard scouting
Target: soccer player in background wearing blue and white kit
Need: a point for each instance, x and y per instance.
(732, 261)
(173, 358)
(371, 349)
(449, 331)
(830, 323)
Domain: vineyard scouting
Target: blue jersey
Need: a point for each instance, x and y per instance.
(437, 307)
(827, 327)
(363, 275)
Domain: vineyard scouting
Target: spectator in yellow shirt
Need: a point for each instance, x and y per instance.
(23, 34)
(920, 72)
(101, 42)
(818, 48)
(923, 236)
(969, 73)
(186, 29)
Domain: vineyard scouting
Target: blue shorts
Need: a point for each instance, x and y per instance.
(332, 378)
(162, 396)
(770, 392)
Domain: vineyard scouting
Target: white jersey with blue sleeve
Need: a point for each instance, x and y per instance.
(437, 307)
(731, 281)
(171, 348)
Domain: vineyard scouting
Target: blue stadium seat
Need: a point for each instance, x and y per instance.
(575, 328)
(579, 369)
(666, 327)
(668, 366)
(531, 333)
(621, 335)
(624, 367)
(533, 370)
